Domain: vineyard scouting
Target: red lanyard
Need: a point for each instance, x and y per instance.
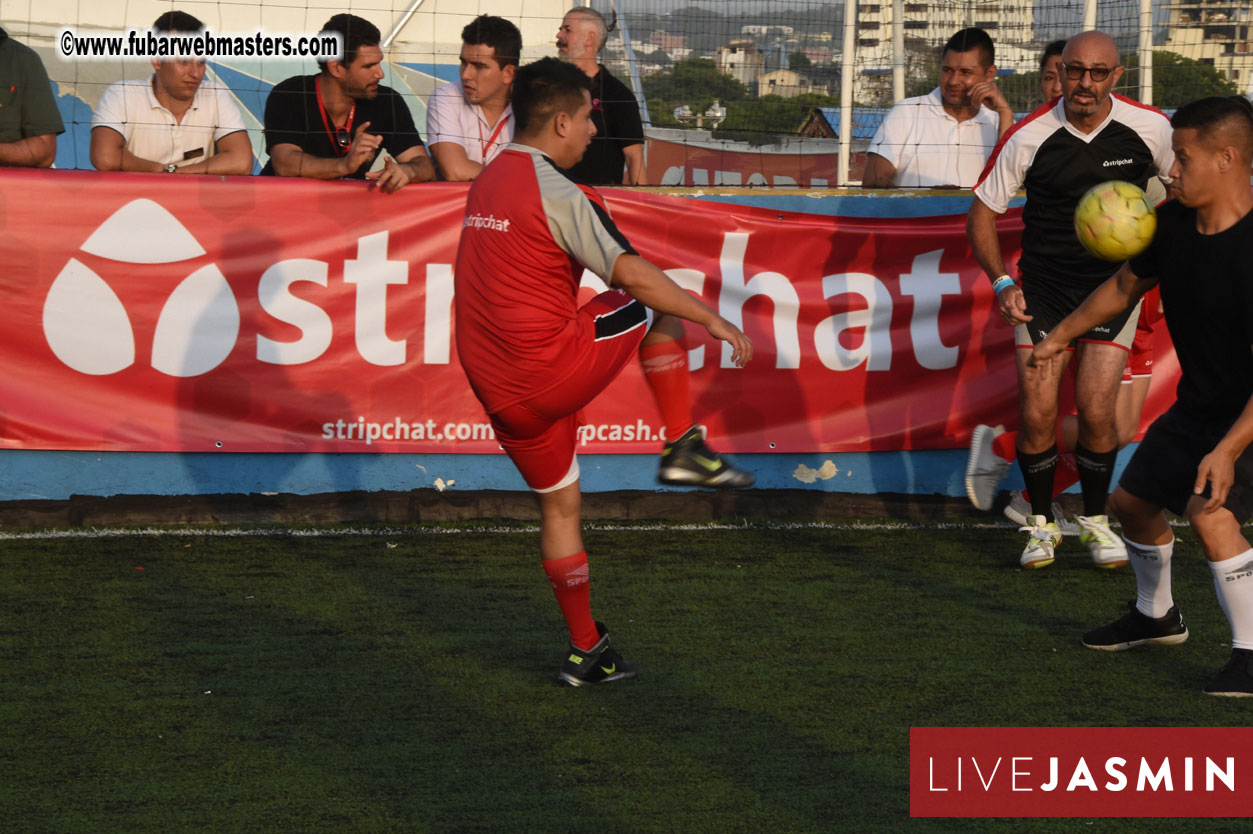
(491, 139)
(340, 149)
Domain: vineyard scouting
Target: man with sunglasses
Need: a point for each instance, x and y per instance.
(1057, 153)
(171, 122)
(332, 125)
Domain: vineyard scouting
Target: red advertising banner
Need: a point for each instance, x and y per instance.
(152, 313)
(1080, 771)
(712, 164)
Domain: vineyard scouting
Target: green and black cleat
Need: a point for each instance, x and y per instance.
(689, 462)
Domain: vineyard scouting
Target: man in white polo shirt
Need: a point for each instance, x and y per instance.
(469, 121)
(945, 137)
(171, 121)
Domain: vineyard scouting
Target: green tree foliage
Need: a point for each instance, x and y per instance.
(799, 60)
(695, 82)
(1176, 80)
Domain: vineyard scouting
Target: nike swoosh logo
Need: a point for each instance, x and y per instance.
(711, 465)
(613, 668)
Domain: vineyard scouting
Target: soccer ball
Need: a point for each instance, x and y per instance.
(1115, 220)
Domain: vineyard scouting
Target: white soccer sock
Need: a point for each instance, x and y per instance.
(1151, 564)
(1233, 580)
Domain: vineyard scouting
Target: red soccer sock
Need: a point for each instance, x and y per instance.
(665, 371)
(569, 579)
(1004, 446)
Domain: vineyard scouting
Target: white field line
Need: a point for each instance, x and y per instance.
(319, 532)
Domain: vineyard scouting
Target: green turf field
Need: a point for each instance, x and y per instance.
(402, 681)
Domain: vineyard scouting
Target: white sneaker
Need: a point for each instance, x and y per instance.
(1107, 550)
(1018, 510)
(984, 468)
(1044, 540)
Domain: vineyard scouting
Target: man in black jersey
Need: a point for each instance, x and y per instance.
(1061, 150)
(1194, 459)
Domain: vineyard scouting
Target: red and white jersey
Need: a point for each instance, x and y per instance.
(528, 233)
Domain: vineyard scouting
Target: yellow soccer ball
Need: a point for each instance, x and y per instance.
(1115, 220)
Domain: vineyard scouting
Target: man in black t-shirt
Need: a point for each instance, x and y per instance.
(1057, 153)
(619, 141)
(1195, 458)
(333, 124)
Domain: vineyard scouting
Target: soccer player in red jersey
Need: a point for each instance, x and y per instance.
(534, 358)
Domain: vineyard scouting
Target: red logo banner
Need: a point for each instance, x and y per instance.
(146, 313)
(1080, 771)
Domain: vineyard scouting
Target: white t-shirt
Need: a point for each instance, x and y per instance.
(930, 147)
(151, 131)
(450, 118)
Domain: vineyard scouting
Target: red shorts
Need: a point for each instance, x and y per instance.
(539, 434)
(1140, 362)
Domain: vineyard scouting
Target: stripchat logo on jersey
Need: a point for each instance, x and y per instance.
(88, 328)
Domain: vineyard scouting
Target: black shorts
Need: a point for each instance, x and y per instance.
(1048, 302)
(1163, 469)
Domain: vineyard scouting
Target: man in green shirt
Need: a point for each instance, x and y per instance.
(29, 120)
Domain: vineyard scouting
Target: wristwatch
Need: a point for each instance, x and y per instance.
(171, 168)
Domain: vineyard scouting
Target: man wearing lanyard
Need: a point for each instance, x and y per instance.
(469, 121)
(332, 125)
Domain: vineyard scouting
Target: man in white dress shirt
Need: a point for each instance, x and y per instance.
(469, 121)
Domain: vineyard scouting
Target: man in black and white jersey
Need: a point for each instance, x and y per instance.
(1057, 153)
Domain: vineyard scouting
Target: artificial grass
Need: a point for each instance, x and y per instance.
(403, 681)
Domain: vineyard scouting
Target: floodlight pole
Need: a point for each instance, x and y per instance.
(898, 50)
(1089, 15)
(400, 24)
(1146, 51)
(633, 69)
(846, 90)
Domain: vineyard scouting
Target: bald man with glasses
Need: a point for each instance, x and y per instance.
(1086, 137)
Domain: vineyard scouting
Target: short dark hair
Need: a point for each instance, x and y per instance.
(177, 22)
(972, 38)
(500, 34)
(356, 32)
(1225, 119)
(544, 88)
(1054, 49)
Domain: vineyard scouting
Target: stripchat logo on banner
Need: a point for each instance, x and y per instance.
(1080, 771)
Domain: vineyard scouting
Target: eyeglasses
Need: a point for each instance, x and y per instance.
(1075, 72)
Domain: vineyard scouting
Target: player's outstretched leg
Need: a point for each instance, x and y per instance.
(686, 460)
(984, 467)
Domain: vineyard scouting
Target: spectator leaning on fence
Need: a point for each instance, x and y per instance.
(470, 120)
(333, 124)
(943, 138)
(29, 121)
(172, 121)
(619, 140)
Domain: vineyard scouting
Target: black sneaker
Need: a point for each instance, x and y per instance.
(1235, 680)
(1136, 629)
(599, 664)
(689, 462)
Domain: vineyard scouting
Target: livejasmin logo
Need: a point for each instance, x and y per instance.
(1024, 773)
(90, 331)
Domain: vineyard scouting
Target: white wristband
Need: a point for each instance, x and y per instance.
(1001, 283)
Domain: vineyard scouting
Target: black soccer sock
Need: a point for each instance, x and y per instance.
(1096, 469)
(1037, 475)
